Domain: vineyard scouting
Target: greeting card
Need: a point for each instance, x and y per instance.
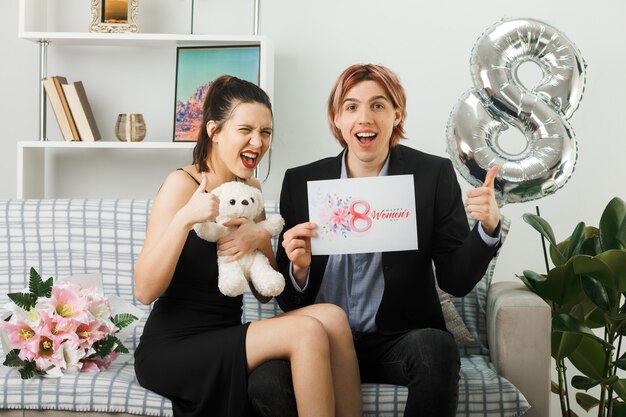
(360, 215)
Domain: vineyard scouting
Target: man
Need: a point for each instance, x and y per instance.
(390, 298)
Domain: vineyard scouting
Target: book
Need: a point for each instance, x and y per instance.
(54, 90)
(81, 110)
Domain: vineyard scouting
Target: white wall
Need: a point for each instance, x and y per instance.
(427, 43)
(18, 100)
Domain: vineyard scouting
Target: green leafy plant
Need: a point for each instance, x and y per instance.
(586, 291)
(38, 289)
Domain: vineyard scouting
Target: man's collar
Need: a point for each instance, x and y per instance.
(384, 171)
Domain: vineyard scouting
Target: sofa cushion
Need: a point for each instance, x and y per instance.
(454, 321)
(473, 307)
(114, 391)
(482, 392)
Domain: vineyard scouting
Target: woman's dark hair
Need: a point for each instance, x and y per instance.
(223, 95)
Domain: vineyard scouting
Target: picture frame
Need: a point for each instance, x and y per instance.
(196, 68)
(114, 16)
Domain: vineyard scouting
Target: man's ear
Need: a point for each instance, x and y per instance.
(398, 118)
(336, 122)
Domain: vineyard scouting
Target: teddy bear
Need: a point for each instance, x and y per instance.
(240, 200)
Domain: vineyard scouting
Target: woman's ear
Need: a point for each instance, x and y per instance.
(211, 128)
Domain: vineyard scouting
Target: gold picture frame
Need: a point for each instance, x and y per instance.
(114, 16)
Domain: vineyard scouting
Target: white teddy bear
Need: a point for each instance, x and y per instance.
(240, 200)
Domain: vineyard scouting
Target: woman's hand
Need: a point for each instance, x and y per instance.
(247, 238)
(297, 244)
(202, 206)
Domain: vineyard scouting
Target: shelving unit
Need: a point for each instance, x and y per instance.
(33, 156)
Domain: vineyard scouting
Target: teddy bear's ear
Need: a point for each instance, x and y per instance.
(259, 197)
(217, 191)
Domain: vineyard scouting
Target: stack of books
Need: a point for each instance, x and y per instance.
(71, 109)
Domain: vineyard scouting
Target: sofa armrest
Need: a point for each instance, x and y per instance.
(518, 333)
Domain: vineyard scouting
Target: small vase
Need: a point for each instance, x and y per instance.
(130, 127)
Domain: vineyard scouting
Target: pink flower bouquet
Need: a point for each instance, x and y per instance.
(67, 326)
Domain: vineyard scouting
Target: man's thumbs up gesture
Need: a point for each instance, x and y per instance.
(481, 203)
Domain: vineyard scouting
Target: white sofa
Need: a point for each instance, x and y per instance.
(504, 373)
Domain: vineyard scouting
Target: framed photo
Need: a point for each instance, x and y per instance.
(196, 68)
(113, 16)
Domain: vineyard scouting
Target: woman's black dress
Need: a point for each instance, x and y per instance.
(193, 347)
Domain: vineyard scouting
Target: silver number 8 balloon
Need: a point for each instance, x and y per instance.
(499, 99)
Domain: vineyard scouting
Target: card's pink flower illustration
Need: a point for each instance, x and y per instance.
(340, 218)
(335, 214)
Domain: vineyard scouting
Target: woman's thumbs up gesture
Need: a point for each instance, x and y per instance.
(202, 206)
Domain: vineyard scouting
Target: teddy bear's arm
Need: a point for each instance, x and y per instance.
(273, 224)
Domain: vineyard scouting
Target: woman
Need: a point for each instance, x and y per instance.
(194, 349)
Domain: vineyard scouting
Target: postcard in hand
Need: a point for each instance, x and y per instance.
(360, 215)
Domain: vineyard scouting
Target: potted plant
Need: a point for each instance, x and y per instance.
(586, 291)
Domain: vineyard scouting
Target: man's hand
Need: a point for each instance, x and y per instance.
(481, 203)
(297, 244)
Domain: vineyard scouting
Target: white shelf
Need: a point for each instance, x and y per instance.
(35, 160)
(33, 26)
(140, 39)
(103, 145)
